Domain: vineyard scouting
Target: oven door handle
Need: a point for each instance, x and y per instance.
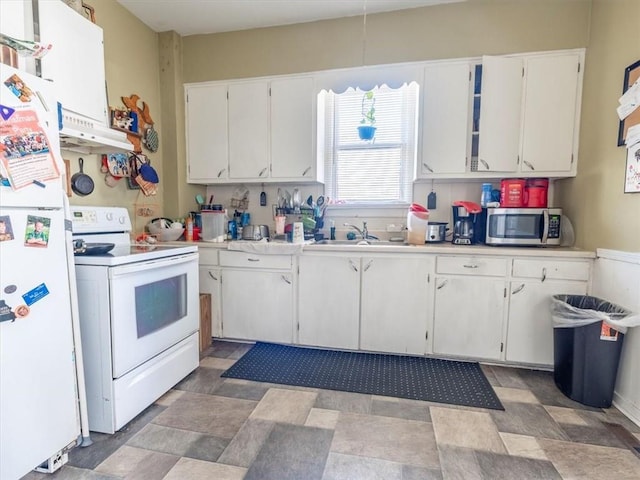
(153, 264)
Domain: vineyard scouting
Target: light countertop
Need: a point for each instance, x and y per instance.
(445, 248)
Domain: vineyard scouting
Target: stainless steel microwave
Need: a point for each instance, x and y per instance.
(523, 226)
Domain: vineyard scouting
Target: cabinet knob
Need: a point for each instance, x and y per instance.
(213, 276)
(306, 171)
(286, 279)
(519, 289)
(486, 165)
(427, 167)
(221, 172)
(262, 172)
(366, 267)
(528, 164)
(444, 282)
(544, 274)
(353, 265)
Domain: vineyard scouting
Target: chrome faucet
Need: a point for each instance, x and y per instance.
(364, 233)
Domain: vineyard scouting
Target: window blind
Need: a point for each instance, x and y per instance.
(378, 171)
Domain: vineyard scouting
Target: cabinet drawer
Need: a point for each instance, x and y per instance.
(208, 256)
(459, 265)
(252, 260)
(551, 269)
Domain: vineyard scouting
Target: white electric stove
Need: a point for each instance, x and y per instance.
(139, 317)
(113, 225)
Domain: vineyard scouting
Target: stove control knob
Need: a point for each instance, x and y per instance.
(109, 216)
(122, 220)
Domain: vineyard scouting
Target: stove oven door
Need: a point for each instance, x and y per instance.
(154, 305)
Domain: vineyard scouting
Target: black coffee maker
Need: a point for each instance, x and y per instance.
(469, 223)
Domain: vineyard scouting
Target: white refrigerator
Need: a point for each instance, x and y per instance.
(39, 394)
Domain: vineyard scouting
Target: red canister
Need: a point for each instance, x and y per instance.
(535, 192)
(512, 192)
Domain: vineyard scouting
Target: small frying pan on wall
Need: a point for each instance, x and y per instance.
(81, 183)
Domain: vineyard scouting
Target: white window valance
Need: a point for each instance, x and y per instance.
(367, 78)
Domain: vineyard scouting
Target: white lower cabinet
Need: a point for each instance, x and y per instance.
(377, 303)
(396, 300)
(530, 329)
(328, 300)
(468, 316)
(257, 297)
(469, 306)
(533, 283)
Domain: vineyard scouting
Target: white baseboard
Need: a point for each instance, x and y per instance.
(629, 410)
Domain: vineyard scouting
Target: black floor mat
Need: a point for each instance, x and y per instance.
(418, 378)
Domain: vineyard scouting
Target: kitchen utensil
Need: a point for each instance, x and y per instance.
(310, 200)
(287, 199)
(263, 197)
(199, 199)
(255, 232)
(436, 232)
(297, 199)
(81, 183)
(163, 231)
(80, 247)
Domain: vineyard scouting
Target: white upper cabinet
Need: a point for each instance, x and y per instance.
(500, 112)
(444, 119)
(206, 133)
(292, 129)
(530, 114)
(249, 130)
(76, 61)
(551, 111)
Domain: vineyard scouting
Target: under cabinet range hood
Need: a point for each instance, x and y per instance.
(76, 66)
(85, 135)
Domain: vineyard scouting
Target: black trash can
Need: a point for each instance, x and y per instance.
(586, 350)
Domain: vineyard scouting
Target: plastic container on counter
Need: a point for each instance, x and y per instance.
(512, 192)
(535, 192)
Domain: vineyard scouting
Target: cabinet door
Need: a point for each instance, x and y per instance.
(530, 327)
(257, 305)
(76, 63)
(249, 130)
(206, 133)
(328, 301)
(292, 129)
(210, 283)
(468, 316)
(445, 119)
(500, 114)
(395, 304)
(549, 125)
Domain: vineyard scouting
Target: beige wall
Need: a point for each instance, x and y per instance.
(603, 216)
(464, 29)
(132, 66)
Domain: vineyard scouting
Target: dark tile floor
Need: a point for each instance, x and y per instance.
(208, 427)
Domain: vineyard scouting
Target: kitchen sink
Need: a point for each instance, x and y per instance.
(360, 242)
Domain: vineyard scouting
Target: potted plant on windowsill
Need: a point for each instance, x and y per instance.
(366, 129)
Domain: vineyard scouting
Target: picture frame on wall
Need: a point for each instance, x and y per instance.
(631, 74)
(632, 170)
